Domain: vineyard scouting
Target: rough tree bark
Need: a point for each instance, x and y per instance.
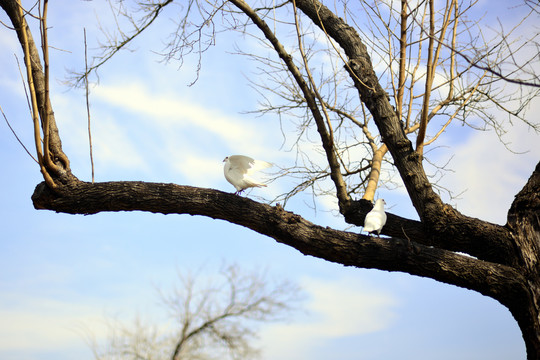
(497, 261)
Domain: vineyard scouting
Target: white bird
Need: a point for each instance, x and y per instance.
(238, 170)
(376, 218)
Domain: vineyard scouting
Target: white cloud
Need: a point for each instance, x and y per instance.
(113, 146)
(168, 109)
(30, 323)
(198, 170)
(490, 174)
(345, 307)
(334, 301)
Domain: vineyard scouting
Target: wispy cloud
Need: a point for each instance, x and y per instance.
(330, 317)
(489, 174)
(199, 170)
(169, 109)
(40, 324)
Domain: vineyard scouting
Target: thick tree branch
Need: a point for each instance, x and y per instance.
(347, 248)
(524, 220)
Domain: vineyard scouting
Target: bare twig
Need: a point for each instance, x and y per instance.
(24, 86)
(14, 133)
(88, 103)
(116, 46)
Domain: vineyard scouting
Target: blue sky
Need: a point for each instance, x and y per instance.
(62, 273)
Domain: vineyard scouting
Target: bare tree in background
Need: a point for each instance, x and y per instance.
(210, 318)
(376, 83)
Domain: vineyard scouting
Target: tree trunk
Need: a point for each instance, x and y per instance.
(524, 223)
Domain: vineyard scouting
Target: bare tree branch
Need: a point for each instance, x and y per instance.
(115, 45)
(211, 318)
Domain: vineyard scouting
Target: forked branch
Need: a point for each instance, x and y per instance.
(431, 67)
(36, 113)
(310, 96)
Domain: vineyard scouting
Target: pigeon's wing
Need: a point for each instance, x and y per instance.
(246, 165)
(241, 163)
(383, 219)
(251, 177)
(257, 165)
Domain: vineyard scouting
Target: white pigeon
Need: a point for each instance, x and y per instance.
(376, 218)
(238, 170)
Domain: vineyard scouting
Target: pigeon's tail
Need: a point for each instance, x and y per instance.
(257, 165)
(251, 183)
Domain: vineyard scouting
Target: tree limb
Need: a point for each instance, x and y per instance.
(59, 167)
(347, 248)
